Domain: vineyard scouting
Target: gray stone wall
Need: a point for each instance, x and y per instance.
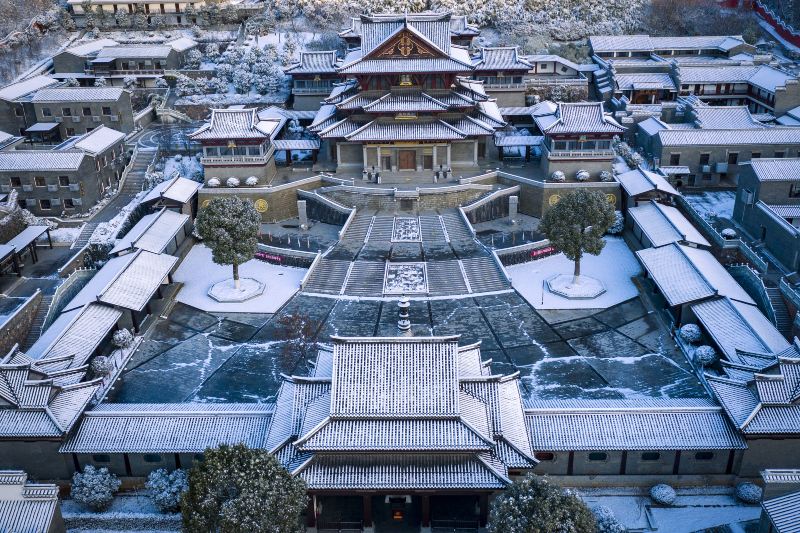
(16, 328)
(768, 453)
(508, 97)
(80, 122)
(39, 458)
(279, 203)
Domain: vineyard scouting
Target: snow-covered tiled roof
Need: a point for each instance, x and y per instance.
(235, 124)
(154, 232)
(786, 211)
(783, 512)
(782, 169)
(644, 80)
(725, 117)
(400, 472)
(296, 144)
(135, 285)
(631, 428)
(405, 101)
(663, 224)
(645, 43)
(434, 27)
(147, 51)
(684, 274)
(78, 94)
(26, 507)
(390, 130)
(88, 48)
(313, 62)
(583, 117)
(177, 189)
(502, 58)
(726, 137)
(620, 43)
(45, 160)
(738, 326)
(639, 181)
(438, 64)
(168, 428)
(341, 128)
(80, 338)
(763, 76)
(26, 87)
(182, 44)
(99, 140)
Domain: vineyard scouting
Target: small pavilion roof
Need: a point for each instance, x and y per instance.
(177, 189)
(663, 224)
(235, 124)
(153, 232)
(503, 58)
(583, 117)
(639, 181)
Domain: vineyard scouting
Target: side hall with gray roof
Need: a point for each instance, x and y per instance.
(767, 207)
(27, 507)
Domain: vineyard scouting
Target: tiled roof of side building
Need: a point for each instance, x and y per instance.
(725, 117)
(137, 283)
(141, 51)
(782, 169)
(26, 87)
(639, 181)
(584, 117)
(235, 124)
(172, 428)
(663, 224)
(631, 428)
(99, 140)
(726, 137)
(614, 43)
(88, 48)
(501, 58)
(26, 507)
(763, 76)
(78, 94)
(314, 62)
(644, 80)
(684, 274)
(382, 130)
(44, 160)
(784, 512)
(738, 326)
(178, 189)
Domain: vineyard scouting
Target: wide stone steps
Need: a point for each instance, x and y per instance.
(328, 277)
(381, 229)
(38, 321)
(357, 231)
(484, 275)
(431, 229)
(445, 278)
(457, 230)
(366, 279)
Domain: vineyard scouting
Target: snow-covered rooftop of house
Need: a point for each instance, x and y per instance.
(684, 274)
(500, 58)
(583, 117)
(725, 117)
(630, 427)
(40, 402)
(235, 124)
(645, 43)
(154, 232)
(88, 48)
(136, 284)
(169, 428)
(434, 28)
(546, 58)
(99, 140)
(25, 87)
(639, 181)
(763, 76)
(783, 511)
(78, 94)
(147, 51)
(663, 224)
(44, 160)
(652, 125)
(177, 189)
(76, 342)
(88, 294)
(735, 325)
(314, 62)
(25, 506)
(644, 80)
(182, 44)
(782, 169)
(727, 137)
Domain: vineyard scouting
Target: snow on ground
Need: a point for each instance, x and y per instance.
(187, 167)
(713, 204)
(615, 266)
(62, 235)
(198, 272)
(695, 509)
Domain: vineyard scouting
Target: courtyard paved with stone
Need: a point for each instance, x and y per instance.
(619, 352)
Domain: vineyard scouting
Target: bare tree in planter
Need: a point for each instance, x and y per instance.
(229, 226)
(299, 335)
(576, 224)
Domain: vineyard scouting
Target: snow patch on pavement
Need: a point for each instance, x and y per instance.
(615, 266)
(198, 272)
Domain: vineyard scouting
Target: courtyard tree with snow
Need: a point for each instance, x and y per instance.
(236, 488)
(576, 225)
(533, 504)
(229, 226)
